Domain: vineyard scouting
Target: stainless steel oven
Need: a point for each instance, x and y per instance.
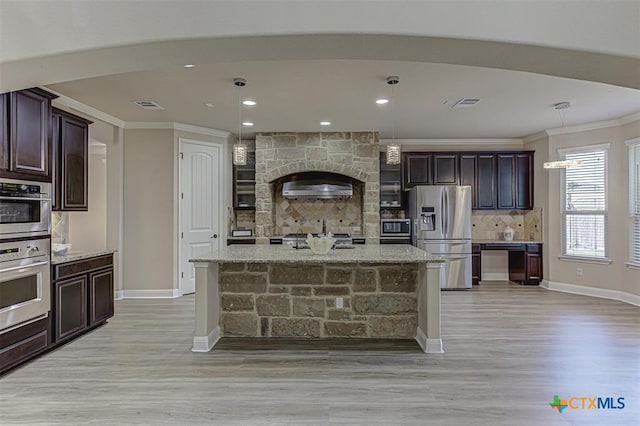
(25, 286)
(25, 208)
(395, 228)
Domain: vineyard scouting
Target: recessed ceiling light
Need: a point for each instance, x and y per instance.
(382, 101)
(208, 104)
(249, 102)
(247, 124)
(325, 123)
(189, 65)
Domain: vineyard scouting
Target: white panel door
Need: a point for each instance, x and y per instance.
(200, 206)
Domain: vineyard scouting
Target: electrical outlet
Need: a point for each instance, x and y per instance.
(579, 272)
(339, 302)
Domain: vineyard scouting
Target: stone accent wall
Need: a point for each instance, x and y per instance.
(354, 154)
(490, 224)
(269, 300)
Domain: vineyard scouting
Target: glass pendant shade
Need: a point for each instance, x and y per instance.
(239, 154)
(393, 154)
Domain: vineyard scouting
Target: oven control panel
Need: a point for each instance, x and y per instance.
(24, 249)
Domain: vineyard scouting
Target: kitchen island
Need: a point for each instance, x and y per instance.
(369, 291)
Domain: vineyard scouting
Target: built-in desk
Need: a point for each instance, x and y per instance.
(525, 260)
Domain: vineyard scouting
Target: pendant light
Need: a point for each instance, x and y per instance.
(393, 149)
(562, 108)
(239, 149)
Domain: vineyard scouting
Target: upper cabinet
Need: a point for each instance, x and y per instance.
(500, 180)
(244, 184)
(70, 143)
(25, 146)
(390, 184)
(445, 169)
(416, 168)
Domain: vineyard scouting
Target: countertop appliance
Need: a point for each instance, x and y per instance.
(25, 208)
(25, 285)
(395, 228)
(441, 217)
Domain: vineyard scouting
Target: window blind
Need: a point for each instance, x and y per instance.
(585, 205)
(634, 202)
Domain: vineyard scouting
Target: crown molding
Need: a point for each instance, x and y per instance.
(170, 125)
(455, 142)
(584, 127)
(85, 109)
(536, 136)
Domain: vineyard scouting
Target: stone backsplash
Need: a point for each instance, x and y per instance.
(353, 154)
(490, 224)
(268, 300)
(341, 216)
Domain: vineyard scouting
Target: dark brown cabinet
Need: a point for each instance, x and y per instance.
(468, 165)
(70, 142)
(71, 307)
(445, 169)
(23, 343)
(525, 261)
(25, 152)
(500, 180)
(244, 184)
(4, 132)
(82, 296)
(416, 169)
(486, 182)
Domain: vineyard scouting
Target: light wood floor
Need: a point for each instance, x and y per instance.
(509, 350)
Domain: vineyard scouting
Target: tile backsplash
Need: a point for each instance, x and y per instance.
(59, 227)
(490, 224)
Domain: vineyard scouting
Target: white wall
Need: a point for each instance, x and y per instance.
(614, 276)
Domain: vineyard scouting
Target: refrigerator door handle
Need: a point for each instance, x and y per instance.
(442, 215)
(445, 231)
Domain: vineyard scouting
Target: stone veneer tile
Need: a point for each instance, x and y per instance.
(239, 324)
(237, 302)
(301, 327)
(404, 326)
(366, 280)
(273, 305)
(398, 280)
(301, 291)
(383, 304)
(330, 291)
(288, 274)
(308, 307)
(339, 276)
(345, 329)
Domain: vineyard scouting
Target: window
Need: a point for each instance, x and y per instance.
(584, 203)
(634, 200)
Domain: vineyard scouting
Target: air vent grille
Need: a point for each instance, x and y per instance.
(466, 103)
(148, 105)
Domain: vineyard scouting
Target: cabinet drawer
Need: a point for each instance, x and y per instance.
(503, 246)
(22, 343)
(69, 269)
(533, 248)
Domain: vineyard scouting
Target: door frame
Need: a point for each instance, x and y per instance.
(178, 205)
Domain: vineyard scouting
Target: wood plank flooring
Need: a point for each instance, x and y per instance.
(509, 350)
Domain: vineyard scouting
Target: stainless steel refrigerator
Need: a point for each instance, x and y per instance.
(441, 218)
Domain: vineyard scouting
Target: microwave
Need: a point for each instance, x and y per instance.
(395, 228)
(25, 208)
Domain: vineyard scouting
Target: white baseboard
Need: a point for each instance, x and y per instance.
(429, 346)
(151, 294)
(205, 343)
(119, 295)
(602, 293)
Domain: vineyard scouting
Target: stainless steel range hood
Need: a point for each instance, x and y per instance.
(322, 186)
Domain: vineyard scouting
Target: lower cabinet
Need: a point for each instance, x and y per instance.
(82, 296)
(525, 261)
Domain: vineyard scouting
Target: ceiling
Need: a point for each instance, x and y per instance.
(295, 95)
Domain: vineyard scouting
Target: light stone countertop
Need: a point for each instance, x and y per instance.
(369, 253)
(489, 241)
(72, 256)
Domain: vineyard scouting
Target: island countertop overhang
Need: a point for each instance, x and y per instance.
(365, 254)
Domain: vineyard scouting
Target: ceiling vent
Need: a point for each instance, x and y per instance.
(148, 105)
(466, 103)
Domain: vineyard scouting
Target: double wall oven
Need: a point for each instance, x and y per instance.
(25, 228)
